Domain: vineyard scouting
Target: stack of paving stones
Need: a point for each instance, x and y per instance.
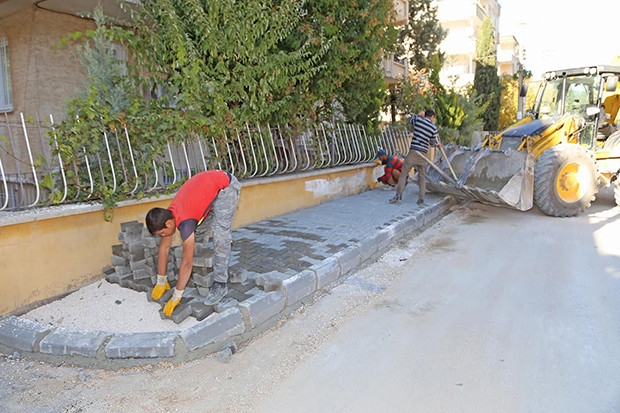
(134, 266)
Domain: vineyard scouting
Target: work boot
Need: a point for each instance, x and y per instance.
(216, 293)
(397, 199)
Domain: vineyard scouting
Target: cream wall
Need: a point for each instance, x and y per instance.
(50, 252)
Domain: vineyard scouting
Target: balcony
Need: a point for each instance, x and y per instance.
(401, 8)
(394, 69)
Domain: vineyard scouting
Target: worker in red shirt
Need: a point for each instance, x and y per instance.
(393, 168)
(208, 200)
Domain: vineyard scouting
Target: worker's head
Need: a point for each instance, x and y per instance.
(381, 155)
(160, 221)
(430, 114)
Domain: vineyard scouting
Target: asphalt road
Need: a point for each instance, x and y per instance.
(505, 312)
(489, 310)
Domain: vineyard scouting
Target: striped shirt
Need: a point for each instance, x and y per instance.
(393, 162)
(424, 133)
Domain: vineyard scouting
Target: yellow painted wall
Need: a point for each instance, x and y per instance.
(50, 252)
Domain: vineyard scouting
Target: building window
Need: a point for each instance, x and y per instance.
(6, 97)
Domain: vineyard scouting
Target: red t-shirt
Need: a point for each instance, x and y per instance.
(193, 201)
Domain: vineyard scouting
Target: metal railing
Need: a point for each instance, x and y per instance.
(33, 175)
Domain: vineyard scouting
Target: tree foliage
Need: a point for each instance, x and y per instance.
(458, 115)
(486, 81)
(224, 61)
(420, 39)
(350, 84)
(260, 61)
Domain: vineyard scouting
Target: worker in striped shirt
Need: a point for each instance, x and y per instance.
(424, 135)
(391, 171)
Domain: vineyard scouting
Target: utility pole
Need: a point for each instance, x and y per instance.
(521, 96)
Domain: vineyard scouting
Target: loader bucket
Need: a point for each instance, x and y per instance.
(504, 178)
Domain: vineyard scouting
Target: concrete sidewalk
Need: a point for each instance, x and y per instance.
(277, 264)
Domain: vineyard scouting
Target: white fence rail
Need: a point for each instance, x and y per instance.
(32, 174)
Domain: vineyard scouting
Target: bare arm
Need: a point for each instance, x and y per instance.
(162, 255)
(187, 262)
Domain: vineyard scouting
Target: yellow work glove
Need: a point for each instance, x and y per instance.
(173, 302)
(160, 288)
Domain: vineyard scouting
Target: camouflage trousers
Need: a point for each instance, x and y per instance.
(220, 220)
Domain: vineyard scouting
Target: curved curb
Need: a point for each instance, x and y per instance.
(219, 331)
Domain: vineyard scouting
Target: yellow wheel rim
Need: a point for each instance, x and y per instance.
(571, 182)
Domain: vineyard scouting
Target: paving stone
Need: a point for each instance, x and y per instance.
(203, 280)
(108, 269)
(123, 270)
(141, 345)
(180, 313)
(271, 281)
(135, 247)
(205, 262)
(132, 226)
(127, 281)
(237, 276)
(21, 334)
(113, 278)
(218, 327)
(116, 261)
(200, 310)
(127, 237)
(149, 242)
(145, 285)
(202, 271)
(137, 255)
(138, 265)
(69, 342)
(225, 304)
(117, 249)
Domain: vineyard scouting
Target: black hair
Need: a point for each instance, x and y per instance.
(156, 219)
(429, 113)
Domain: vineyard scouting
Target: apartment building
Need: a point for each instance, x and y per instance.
(463, 20)
(509, 55)
(393, 68)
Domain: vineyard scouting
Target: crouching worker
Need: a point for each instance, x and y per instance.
(208, 200)
(393, 168)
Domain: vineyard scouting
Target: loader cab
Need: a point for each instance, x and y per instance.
(576, 94)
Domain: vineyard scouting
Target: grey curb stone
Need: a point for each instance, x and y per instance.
(263, 306)
(141, 345)
(383, 239)
(387, 237)
(218, 327)
(367, 248)
(299, 286)
(21, 334)
(327, 272)
(349, 259)
(68, 342)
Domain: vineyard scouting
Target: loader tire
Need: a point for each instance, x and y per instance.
(565, 180)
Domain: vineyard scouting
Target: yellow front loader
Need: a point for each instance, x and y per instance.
(556, 157)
